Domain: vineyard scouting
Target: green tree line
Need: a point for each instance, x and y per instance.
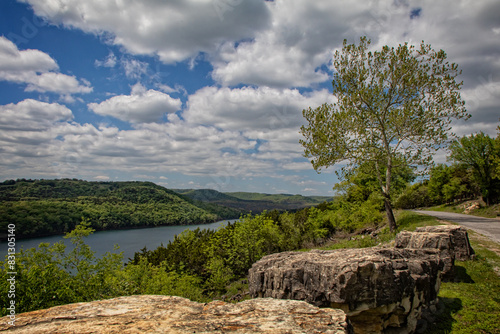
(46, 207)
(473, 172)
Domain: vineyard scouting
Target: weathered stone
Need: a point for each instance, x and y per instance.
(439, 241)
(459, 239)
(378, 288)
(175, 315)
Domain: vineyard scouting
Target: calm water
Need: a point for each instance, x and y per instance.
(130, 241)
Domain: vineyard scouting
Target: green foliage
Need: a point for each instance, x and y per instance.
(45, 207)
(478, 152)
(346, 216)
(393, 105)
(406, 221)
(146, 278)
(51, 275)
(220, 257)
(360, 183)
(253, 237)
(450, 183)
(414, 196)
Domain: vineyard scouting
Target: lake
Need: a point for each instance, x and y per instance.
(130, 241)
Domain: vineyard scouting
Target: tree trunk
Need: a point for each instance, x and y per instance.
(386, 192)
(390, 214)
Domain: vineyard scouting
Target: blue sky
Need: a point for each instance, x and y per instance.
(206, 93)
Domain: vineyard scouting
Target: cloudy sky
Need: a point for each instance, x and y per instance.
(206, 93)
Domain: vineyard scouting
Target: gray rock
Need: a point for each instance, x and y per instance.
(380, 289)
(439, 241)
(175, 315)
(459, 239)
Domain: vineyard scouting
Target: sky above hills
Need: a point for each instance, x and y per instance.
(206, 93)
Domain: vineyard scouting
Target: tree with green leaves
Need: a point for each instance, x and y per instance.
(451, 183)
(392, 105)
(478, 152)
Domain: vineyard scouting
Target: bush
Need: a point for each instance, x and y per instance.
(348, 216)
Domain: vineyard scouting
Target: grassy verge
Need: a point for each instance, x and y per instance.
(492, 211)
(471, 304)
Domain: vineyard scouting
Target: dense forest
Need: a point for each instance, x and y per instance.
(45, 207)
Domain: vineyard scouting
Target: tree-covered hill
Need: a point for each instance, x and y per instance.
(46, 207)
(254, 202)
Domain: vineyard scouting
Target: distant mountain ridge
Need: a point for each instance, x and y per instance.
(254, 202)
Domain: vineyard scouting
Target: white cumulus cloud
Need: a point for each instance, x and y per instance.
(32, 115)
(174, 30)
(251, 109)
(141, 106)
(36, 69)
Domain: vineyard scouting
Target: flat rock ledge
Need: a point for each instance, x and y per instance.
(450, 240)
(382, 290)
(459, 239)
(175, 315)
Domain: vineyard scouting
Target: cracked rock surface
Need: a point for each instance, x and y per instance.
(175, 315)
(459, 239)
(381, 289)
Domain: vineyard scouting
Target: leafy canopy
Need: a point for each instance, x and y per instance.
(395, 106)
(396, 101)
(479, 152)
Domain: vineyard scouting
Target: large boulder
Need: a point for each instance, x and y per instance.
(459, 239)
(439, 241)
(380, 289)
(175, 315)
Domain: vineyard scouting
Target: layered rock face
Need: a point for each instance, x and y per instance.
(380, 289)
(439, 241)
(451, 241)
(175, 315)
(459, 239)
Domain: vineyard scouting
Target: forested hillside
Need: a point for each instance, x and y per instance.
(253, 202)
(45, 207)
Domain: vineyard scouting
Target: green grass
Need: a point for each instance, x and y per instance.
(492, 211)
(471, 304)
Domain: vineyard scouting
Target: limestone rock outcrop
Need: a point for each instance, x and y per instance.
(459, 239)
(380, 289)
(175, 315)
(439, 241)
